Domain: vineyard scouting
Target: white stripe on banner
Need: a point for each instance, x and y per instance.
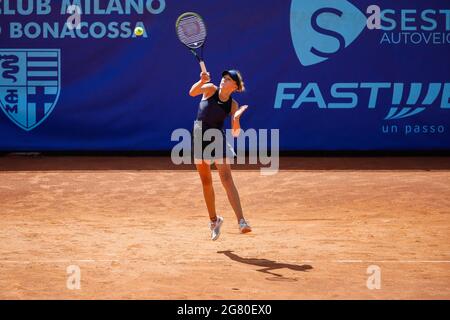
(51, 90)
(43, 83)
(42, 73)
(48, 64)
(42, 54)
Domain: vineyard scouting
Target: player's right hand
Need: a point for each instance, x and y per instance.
(205, 77)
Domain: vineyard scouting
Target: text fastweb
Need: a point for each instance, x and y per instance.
(346, 95)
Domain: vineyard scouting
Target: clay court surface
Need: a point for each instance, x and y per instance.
(137, 229)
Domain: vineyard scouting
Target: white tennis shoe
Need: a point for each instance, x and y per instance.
(215, 228)
(244, 227)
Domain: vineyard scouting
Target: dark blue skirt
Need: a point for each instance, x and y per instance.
(217, 150)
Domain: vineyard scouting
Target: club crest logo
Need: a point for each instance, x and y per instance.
(30, 82)
(322, 28)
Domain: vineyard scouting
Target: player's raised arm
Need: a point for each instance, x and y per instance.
(202, 86)
(236, 114)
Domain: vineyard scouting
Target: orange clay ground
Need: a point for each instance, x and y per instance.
(137, 229)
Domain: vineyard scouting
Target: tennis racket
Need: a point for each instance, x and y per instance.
(191, 30)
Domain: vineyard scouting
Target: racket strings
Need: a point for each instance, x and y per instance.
(191, 31)
(196, 41)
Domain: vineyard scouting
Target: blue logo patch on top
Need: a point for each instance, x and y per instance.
(322, 28)
(30, 82)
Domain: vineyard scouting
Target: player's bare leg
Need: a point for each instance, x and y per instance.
(204, 171)
(233, 195)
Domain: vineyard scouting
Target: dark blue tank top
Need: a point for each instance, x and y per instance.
(213, 112)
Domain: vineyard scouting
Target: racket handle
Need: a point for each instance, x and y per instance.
(203, 66)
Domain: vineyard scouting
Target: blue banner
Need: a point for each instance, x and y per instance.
(329, 74)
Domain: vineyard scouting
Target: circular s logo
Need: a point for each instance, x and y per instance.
(322, 28)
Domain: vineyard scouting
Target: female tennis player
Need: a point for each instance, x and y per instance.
(215, 106)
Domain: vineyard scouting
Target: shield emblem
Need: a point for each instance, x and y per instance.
(30, 82)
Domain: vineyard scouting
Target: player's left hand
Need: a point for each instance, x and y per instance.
(239, 112)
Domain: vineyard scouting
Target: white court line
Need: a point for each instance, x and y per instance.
(55, 261)
(281, 261)
(392, 261)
